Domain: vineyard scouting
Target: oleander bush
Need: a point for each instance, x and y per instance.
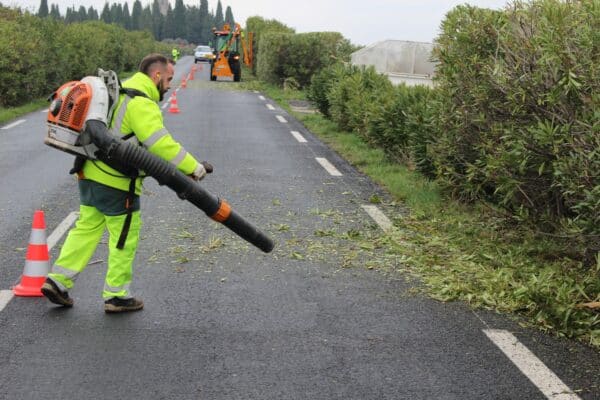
(39, 54)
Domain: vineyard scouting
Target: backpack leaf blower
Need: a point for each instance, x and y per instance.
(77, 123)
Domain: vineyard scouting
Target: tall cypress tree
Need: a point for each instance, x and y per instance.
(219, 16)
(194, 24)
(136, 15)
(69, 17)
(157, 21)
(229, 16)
(146, 19)
(43, 10)
(55, 12)
(82, 14)
(116, 13)
(179, 27)
(105, 15)
(92, 13)
(126, 17)
(204, 21)
(168, 31)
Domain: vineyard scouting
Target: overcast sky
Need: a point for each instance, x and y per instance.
(362, 21)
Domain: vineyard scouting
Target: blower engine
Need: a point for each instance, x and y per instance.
(78, 124)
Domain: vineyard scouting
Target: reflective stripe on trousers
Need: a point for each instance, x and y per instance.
(81, 244)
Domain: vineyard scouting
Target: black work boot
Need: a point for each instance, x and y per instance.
(55, 295)
(118, 305)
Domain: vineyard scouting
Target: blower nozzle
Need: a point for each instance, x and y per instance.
(165, 173)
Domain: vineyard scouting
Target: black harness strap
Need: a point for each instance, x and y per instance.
(131, 193)
(129, 208)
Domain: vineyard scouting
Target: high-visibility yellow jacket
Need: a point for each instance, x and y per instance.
(143, 117)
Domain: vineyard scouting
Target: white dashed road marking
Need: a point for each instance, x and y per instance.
(5, 297)
(298, 136)
(270, 106)
(19, 122)
(541, 376)
(281, 119)
(378, 216)
(261, 97)
(328, 167)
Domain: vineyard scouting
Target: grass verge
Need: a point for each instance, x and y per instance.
(10, 113)
(471, 254)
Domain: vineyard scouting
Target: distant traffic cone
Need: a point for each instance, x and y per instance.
(193, 68)
(184, 83)
(192, 75)
(174, 109)
(200, 68)
(37, 261)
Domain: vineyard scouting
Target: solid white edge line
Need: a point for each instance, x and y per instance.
(262, 97)
(13, 124)
(5, 297)
(328, 166)
(540, 375)
(378, 216)
(60, 230)
(281, 119)
(166, 104)
(298, 136)
(270, 107)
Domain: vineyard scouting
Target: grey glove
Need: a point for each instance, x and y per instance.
(201, 170)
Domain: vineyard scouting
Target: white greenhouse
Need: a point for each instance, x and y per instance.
(401, 61)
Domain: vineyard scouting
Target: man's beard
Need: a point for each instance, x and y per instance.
(161, 91)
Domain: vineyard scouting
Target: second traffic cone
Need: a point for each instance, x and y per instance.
(37, 261)
(184, 83)
(174, 109)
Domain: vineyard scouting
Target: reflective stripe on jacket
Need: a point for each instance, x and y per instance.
(142, 116)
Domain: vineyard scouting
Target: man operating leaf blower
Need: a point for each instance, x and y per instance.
(109, 165)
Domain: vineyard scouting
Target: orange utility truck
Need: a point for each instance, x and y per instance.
(226, 63)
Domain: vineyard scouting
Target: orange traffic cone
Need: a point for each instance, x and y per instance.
(184, 83)
(192, 75)
(37, 261)
(193, 68)
(174, 109)
(200, 68)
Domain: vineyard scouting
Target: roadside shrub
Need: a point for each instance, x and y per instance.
(338, 97)
(401, 123)
(21, 61)
(321, 84)
(39, 54)
(298, 56)
(517, 113)
(259, 26)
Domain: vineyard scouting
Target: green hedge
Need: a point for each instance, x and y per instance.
(260, 26)
(397, 119)
(518, 103)
(298, 56)
(39, 54)
(513, 118)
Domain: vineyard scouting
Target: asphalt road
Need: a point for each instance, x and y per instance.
(315, 319)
